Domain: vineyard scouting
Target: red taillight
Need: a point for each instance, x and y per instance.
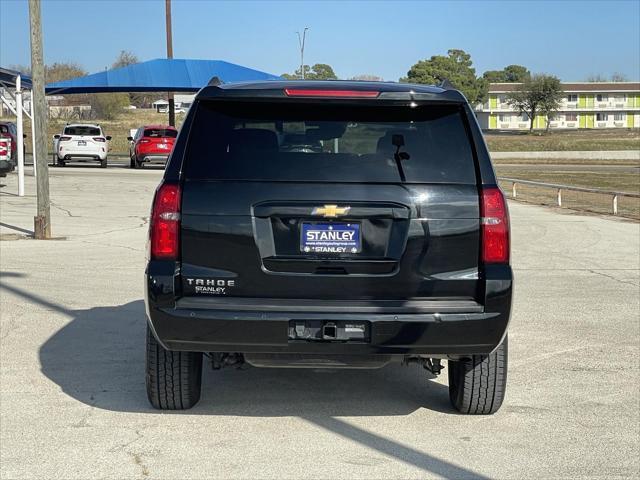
(305, 92)
(165, 222)
(65, 139)
(99, 139)
(4, 148)
(144, 140)
(495, 226)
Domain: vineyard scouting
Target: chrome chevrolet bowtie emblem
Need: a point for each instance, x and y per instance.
(330, 211)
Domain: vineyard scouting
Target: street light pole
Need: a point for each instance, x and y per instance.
(301, 40)
(42, 222)
(172, 106)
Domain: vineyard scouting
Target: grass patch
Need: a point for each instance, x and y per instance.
(564, 161)
(595, 202)
(592, 140)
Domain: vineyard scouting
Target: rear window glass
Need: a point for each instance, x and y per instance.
(160, 133)
(82, 131)
(329, 143)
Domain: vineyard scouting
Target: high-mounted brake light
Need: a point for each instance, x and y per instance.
(305, 92)
(165, 222)
(495, 226)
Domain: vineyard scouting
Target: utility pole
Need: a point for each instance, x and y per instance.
(172, 106)
(42, 222)
(301, 40)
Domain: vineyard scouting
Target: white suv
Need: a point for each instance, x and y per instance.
(80, 142)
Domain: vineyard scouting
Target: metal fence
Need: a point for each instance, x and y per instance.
(560, 191)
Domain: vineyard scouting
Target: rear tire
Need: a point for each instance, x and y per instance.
(103, 163)
(60, 162)
(132, 163)
(477, 385)
(173, 378)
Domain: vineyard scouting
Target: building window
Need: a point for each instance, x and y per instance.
(502, 99)
(602, 117)
(572, 97)
(524, 117)
(504, 118)
(602, 98)
(619, 117)
(570, 117)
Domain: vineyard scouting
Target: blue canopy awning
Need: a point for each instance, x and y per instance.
(160, 75)
(8, 78)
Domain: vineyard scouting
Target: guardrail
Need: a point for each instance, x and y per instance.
(614, 195)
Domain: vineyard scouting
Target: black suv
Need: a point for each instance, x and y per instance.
(329, 224)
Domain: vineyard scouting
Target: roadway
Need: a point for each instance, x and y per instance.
(73, 402)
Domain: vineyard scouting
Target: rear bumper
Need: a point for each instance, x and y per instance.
(153, 158)
(437, 328)
(193, 327)
(82, 155)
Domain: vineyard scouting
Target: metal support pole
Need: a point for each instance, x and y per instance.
(33, 136)
(615, 204)
(559, 197)
(20, 139)
(514, 191)
(301, 41)
(172, 105)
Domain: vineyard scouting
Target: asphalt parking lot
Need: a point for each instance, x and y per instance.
(73, 403)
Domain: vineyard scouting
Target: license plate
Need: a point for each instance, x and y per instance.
(330, 237)
(82, 143)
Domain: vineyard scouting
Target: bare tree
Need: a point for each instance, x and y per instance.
(619, 77)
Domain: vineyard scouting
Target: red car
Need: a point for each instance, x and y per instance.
(9, 130)
(151, 144)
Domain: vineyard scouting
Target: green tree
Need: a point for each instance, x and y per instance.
(456, 68)
(319, 71)
(107, 106)
(538, 94)
(509, 74)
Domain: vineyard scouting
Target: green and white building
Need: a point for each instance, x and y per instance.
(585, 105)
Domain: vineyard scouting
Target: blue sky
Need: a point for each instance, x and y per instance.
(571, 39)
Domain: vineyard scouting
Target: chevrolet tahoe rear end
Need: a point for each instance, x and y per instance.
(329, 224)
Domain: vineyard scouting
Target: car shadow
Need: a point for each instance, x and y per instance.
(98, 359)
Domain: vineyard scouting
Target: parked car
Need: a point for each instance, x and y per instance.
(80, 142)
(387, 242)
(151, 144)
(7, 164)
(10, 130)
